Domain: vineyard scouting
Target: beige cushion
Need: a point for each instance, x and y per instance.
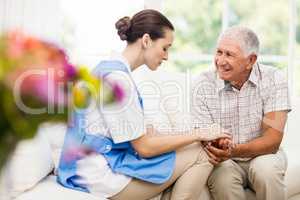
(292, 178)
(165, 98)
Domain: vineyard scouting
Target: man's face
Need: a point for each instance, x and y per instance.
(230, 61)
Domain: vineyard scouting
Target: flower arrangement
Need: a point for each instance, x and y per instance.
(38, 84)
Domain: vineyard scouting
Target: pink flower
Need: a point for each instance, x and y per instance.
(76, 152)
(118, 92)
(16, 45)
(41, 69)
(70, 70)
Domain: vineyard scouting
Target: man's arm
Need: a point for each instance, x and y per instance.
(273, 127)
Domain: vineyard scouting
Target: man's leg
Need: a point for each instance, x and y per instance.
(266, 176)
(227, 181)
(191, 160)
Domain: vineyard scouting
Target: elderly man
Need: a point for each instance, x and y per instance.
(251, 101)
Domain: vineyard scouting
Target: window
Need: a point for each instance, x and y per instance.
(263, 17)
(273, 38)
(197, 25)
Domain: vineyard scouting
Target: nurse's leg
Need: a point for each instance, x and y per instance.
(191, 172)
(194, 178)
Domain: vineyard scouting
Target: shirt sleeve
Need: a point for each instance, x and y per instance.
(125, 120)
(277, 98)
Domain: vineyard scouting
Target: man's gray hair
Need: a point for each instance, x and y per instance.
(247, 39)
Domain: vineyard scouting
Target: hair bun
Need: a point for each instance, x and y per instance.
(123, 25)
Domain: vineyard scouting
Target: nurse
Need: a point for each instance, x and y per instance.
(130, 161)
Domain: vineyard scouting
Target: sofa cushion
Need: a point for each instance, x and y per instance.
(55, 133)
(292, 178)
(29, 164)
(49, 189)
(166, 98)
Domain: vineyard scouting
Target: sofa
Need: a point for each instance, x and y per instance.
(30, 174)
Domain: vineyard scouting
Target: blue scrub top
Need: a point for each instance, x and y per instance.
(121, 157)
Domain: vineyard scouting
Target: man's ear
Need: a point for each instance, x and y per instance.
(252, 59)
(146, 41)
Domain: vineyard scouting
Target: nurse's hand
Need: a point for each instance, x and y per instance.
(211, 133)
(208, 137)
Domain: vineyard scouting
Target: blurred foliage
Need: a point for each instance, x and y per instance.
(197, 24)
(195, 32)
(264, 18)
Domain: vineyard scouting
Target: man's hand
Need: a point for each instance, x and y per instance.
(221, 143)
(219, 150)
(224, 143)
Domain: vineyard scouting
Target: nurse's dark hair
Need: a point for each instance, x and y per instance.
(146, 21)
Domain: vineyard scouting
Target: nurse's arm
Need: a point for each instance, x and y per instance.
(149, 144)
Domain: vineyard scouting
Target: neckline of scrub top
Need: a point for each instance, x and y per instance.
(118, 56)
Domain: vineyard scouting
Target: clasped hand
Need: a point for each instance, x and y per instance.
(217, 143)
(219, 150)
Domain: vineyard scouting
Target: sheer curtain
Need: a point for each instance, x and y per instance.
(39, 18)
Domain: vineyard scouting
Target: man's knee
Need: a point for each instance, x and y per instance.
(266, 169)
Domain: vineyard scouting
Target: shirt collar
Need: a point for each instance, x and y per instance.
(221, 84)
(118, 56)
(253, 78)
(255, 74)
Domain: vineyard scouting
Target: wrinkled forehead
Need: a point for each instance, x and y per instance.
(229, 44)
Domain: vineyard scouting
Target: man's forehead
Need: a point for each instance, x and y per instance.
(231, 44)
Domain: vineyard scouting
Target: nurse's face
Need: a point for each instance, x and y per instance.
(158, 50)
